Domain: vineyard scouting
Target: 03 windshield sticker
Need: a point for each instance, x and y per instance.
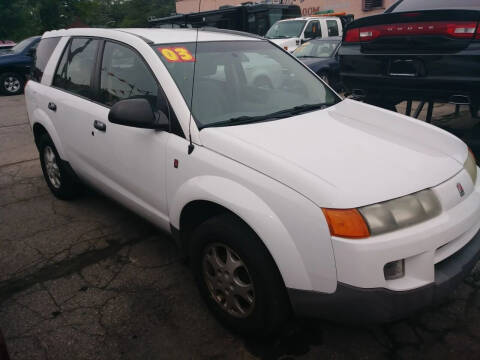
(176, 54)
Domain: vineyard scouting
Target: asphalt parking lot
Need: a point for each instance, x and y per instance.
(90, 280)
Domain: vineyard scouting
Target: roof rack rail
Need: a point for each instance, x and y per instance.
(148, 41)
(228, 31)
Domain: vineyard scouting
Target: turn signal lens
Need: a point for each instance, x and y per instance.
(347, 223)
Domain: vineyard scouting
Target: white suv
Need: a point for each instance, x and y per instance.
(285, 198)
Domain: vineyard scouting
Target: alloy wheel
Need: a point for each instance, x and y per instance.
(11, 84)
(51, 166)
(228, 280)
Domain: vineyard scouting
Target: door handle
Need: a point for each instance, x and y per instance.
(99, 126)
(52, 106)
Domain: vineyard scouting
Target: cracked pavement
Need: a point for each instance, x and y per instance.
(88, 279)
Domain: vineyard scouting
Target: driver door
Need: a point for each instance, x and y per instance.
(133, 160)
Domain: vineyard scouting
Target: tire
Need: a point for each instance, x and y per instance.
(253, 267)
(61, 182)
(11, 83)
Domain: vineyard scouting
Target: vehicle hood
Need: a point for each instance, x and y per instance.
(346, 156)
(290, 43)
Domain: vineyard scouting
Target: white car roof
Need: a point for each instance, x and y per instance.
(155, 35)
(311, 18)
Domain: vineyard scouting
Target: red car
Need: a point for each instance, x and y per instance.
(6, 44)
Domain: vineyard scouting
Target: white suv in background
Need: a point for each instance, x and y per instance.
(291, 33)
(283, 199)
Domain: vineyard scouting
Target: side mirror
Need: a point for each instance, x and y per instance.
(137, 113)
(31, 52)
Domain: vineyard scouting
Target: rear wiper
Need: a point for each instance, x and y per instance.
(276, 115)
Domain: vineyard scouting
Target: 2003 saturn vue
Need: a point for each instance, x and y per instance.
(284, 197)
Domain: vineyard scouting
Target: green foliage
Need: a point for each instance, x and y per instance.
(23, 18)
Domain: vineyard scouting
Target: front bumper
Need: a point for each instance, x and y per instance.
(354, 304)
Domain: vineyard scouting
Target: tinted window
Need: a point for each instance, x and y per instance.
(414, 5)
(76, 67)
(332, 27)
(124, 75)
(23, 45)
(43, 54)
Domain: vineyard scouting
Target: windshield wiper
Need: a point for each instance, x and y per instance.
(241, 120)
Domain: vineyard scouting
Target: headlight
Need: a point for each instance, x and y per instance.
(471, 166)
(402, 212)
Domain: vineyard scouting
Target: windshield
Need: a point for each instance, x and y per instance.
(22, 45)
(285, 29)
(242, 81)
(318, 49)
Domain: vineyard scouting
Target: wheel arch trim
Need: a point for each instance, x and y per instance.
(251, 209)
(42, 119)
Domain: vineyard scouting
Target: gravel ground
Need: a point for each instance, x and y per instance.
(90, 280)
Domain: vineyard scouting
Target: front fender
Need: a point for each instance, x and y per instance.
(253, 211)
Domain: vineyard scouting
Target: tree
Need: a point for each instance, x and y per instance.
(23, 18)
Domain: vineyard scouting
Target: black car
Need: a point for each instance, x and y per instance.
(426, 50)
(321, 55)
(15, 65)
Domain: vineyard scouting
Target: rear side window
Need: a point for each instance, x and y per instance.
(42, 56)
(124, 75)
(415, 5)
(75, 70)
(332, 27)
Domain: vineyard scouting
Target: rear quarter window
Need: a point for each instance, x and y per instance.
(416, 5)
(42, 56)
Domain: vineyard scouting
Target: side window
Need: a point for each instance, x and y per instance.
(332, 26)
(124, 75)
(42, 56)
(317, 32)
(76, 67)
(312, 30)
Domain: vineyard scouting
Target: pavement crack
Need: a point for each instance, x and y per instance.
(62, 268)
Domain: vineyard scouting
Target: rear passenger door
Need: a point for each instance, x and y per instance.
(71, 104)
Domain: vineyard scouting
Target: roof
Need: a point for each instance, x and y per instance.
(311, 18)
(156, 35)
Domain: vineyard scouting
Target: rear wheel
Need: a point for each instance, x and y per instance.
(237, 277)
(60, 180)
(11, 83)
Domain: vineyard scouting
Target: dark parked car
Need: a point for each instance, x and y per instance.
(321, 55)
(416, 50)
(15, 65)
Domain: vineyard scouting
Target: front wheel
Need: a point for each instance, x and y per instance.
(11, 83)
(237, 277)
